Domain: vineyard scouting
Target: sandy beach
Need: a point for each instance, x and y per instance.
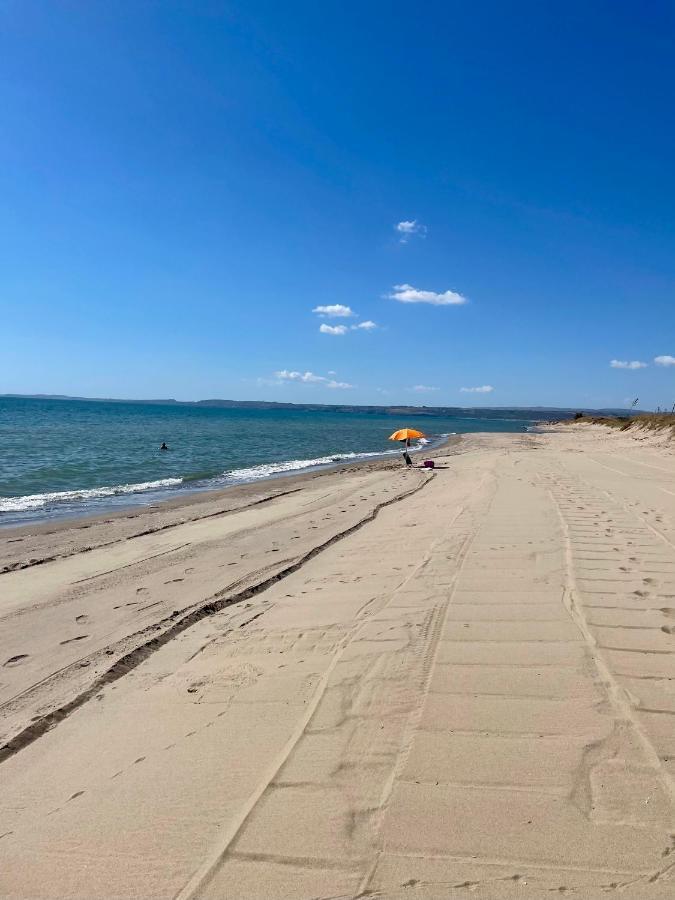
(370, 682)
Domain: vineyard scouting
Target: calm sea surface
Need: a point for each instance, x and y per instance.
(70, 457)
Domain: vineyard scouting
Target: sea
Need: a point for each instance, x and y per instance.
(65, 458)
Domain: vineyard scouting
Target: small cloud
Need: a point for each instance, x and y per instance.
(368, 325)
(664, 360)
(336, 311)
(406, 293)
(482, 389)
(285, 375)
(423, 388)
(624, 364)
(408, 229)
(306, 377)
(332, 373)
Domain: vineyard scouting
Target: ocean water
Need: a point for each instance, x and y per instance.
(70, 457)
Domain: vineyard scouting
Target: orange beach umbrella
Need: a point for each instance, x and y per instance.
(404, 434)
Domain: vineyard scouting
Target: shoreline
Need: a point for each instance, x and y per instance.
(122, 503)
(252, 526)
(138, 520)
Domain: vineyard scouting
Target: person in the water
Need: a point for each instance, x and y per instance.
(163, 447)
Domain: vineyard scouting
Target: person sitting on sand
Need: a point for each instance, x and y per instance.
(406, 455)
(163, 447)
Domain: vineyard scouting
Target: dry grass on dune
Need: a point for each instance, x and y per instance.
(648, 421)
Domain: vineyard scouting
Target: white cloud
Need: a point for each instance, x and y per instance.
(624, 364)
(368, 325)
(335, 311)
(310, 378)
(306, 377)
(423, 388)
(409, 228)
(332, 373)
(664, 360)
(406, 293)
(482, 389)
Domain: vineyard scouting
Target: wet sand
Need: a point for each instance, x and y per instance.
(376, 682)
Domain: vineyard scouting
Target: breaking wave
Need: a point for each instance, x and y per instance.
(252, 473)
(198, 481)
(36, 501)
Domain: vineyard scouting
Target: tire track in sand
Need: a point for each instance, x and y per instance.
(207, 872)
(174, 626)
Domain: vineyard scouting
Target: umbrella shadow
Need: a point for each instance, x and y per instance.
(435, 468)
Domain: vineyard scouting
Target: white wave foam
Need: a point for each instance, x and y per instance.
(252, 473)
(35, 501)
(292, 465)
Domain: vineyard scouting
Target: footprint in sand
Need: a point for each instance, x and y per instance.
(16, 660)
(141, 590)
(174, 580)
(75, 796)
(189, 571)
(82, 619)
(80, 637)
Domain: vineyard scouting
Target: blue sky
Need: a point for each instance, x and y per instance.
(182, 184)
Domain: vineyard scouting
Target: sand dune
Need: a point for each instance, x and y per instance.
(383, 684)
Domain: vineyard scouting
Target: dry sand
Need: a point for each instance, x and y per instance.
(373, 683)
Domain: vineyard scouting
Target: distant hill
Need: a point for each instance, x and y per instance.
(479, 412)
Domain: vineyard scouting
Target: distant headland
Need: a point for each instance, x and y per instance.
(484, 412)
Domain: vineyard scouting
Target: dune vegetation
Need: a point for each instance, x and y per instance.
(658, 421)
